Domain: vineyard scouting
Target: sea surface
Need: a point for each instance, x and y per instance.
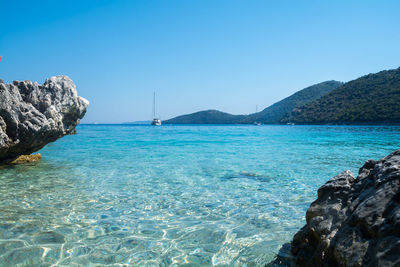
(174, 195)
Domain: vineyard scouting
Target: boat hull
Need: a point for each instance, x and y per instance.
(156, 122)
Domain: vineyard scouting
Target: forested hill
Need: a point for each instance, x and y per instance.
(206, 117)
(374, 98)
(272, 114)
(276, 112)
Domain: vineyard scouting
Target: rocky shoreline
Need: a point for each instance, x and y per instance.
(33, 115)
(354, 221)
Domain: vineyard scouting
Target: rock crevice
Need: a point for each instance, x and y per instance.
(33, 115)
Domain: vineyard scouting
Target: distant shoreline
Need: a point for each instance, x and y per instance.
(271, 124)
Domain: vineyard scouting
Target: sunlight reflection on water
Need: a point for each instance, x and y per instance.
(174, 195)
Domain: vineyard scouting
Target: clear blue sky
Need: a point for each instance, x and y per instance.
(196, 54)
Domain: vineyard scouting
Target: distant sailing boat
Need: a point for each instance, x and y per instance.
(155, 121)
(257, 122)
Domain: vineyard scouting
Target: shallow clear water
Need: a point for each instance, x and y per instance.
(174, 195)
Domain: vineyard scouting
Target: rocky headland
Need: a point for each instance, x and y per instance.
(354, 221)
(33, 115)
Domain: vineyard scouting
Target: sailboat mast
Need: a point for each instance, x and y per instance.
(154, 105)
(155, 121)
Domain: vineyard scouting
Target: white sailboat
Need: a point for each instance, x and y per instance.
(257, 122)
(155, 121)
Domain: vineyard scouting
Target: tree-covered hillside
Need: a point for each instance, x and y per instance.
(276, 112)
(206, 117)
(273, 114)
(374, 98)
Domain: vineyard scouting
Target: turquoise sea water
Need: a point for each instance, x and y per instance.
(174, 195)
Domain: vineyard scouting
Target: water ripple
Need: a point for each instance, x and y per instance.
(173, 196)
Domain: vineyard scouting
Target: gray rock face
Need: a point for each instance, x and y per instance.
(354, 221)
(33, 115)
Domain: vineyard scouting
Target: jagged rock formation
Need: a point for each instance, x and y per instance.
(33, 115)
(354, 221)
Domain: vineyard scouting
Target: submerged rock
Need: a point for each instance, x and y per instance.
(354, 221)
(33, 115)
(284, 258)
(27, 159)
